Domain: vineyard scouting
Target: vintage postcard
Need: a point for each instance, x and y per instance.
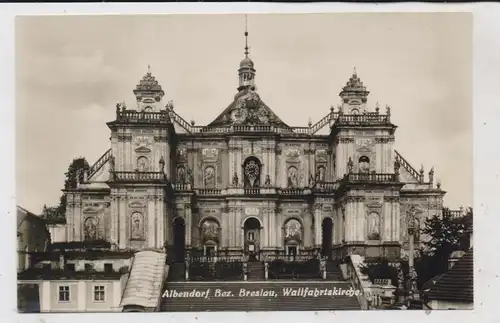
(244, 162)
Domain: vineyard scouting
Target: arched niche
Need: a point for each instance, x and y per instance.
(251, 235)
(209, 177)
(179, 239)
(364, 164)
(373, 226)
(142, 164)
(90, 229)
(210, 236)
(293, 233)
(252, 168)
(292, 177)
(137, 228)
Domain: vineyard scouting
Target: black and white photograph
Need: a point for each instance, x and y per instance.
(244, 162)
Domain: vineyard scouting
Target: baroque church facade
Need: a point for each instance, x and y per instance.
(249, 183)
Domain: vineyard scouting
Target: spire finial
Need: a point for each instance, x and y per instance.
(149, 69)
(354, 72)
(246, 36)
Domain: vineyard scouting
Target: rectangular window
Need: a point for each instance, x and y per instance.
(89, 267)
(70, 267)
(64, 293)
(99, 293)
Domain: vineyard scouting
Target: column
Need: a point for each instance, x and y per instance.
(397, 218)
(266, 228)
(78, 217)
(114, 219)
(188, 223)
(317, 225)
(231, 163)
(237, 228)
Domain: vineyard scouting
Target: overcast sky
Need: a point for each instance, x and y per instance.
(71, 71)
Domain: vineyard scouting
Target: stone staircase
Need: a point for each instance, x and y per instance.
(257, 296)
(177, 272)
(256, 271)
(333, 271)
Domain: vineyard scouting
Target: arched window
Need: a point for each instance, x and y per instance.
(251, 172)
(181, 174)
(143, 164)
(354, 111)
(137, 226)
(292, 176)
(148, 109)
(373, 221)
(364, 164)
(209, 177)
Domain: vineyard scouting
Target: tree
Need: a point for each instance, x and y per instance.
(70, 182)
(446, 234)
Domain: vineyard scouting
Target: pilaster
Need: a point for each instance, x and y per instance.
(124, 219)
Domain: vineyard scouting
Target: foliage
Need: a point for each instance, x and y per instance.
(380, 269)
(70, 182)
(446, 234)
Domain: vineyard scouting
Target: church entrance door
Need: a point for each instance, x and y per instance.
(326, 237)
(251, 230)
(179, 233)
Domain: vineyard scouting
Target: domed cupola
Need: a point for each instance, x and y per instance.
(246, 72)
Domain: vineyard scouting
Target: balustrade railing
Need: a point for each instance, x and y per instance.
(142, 116)
(293, 191)
(99, 163)
(370, 118)
(209, 191)
(138, 176)
(367, 177)
(406, 165)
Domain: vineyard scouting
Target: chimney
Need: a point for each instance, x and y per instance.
(61, 262)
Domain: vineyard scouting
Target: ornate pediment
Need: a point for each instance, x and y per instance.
(91, 209)
(248, 109)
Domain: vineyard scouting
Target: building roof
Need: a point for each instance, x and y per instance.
(457, 284)
(144, 286)
(247, 109)
(148, 84)
(23, 215)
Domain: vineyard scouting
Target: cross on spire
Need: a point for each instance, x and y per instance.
(246, 36)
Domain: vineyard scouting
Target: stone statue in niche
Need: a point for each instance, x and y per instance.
(90, 229)
(311, 179)
(162, 165)
(321, 174)
(292, 176)
(350, 165)
(268, 180)
(142, 164)
(111, 163)
(181, 178)
(397, 165)
(189, 176)
(209, 177)
(137, 226)
(235, 179)
(373, 226)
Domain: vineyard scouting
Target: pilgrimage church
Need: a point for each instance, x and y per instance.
(260, 198)
(247, 182)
